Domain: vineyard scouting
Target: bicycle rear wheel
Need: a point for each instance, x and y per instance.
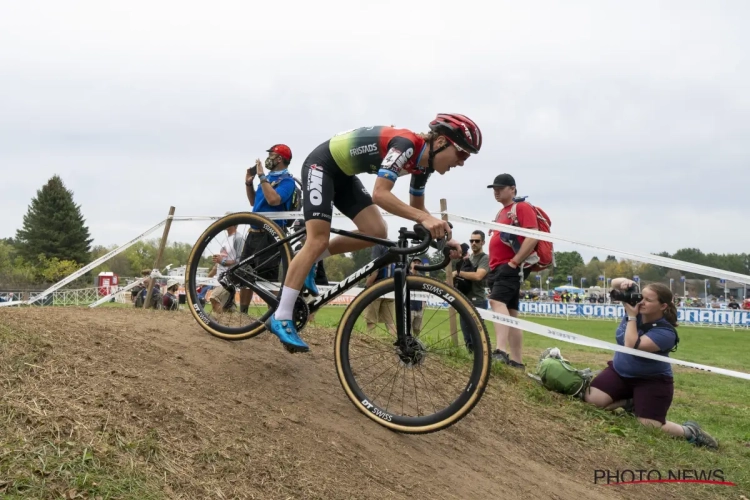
(430, 382)
(217, 311)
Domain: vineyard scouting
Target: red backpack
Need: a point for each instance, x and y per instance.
(543, 255)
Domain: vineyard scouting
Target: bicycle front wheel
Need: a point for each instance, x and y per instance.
(427, 382)
(218, 308)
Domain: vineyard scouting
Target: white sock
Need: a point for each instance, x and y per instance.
(286, 303)
(326, 253)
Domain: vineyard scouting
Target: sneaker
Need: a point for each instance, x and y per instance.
(629, 406)
(286, 332)
(515, 364)
(500, 356)
(310, 281)
(700, 437)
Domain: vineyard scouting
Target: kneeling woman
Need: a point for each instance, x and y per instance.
(645, 384)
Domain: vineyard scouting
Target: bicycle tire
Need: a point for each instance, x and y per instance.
(464, 402)
(196, 309)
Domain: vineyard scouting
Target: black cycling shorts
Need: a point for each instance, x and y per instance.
(325, 186)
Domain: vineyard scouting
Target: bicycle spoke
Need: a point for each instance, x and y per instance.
(440, 370)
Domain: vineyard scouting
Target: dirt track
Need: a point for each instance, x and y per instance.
(249, 420)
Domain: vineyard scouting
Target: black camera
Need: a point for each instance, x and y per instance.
(629, 296)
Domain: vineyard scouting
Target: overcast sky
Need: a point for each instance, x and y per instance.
(627, 121)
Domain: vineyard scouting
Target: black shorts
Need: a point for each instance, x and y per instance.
(652, 397)
(325, 186)
(506, 286)
(269, 268)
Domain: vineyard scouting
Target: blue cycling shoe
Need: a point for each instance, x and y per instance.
(310, 281)
(286, 332)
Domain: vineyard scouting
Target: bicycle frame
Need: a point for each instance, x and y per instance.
(403, 320)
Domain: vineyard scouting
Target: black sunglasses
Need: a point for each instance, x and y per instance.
(475, 241)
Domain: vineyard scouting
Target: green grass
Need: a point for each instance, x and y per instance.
(721, 404)
(39, 460)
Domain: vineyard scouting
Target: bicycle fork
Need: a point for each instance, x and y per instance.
(402, 305)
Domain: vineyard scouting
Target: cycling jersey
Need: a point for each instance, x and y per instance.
(329, 172)
(386, 151)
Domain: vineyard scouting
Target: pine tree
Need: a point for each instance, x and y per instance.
(54, 226)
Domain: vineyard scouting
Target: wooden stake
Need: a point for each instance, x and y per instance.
(157, 264)
(449, 280)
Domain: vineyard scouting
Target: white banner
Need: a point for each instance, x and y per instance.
(685, 315)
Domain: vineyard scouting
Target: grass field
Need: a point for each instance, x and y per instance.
(719, 403)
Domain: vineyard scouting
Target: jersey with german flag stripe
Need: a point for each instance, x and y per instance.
(386, 151)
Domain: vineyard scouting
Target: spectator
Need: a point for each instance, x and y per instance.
(643, 385)
(508, 253)
(276, 193)
(170, 302)
(733, 303)
(145, 273)
(475, 269)
(380, 310)
(140, 298)
(221, 298)
(416, 306)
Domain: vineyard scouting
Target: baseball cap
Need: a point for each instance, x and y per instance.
(503, 180)
(281, 150)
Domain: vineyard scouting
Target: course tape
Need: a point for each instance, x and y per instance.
(88, 267)
(574, 338)
(646, 258)
(554, 238)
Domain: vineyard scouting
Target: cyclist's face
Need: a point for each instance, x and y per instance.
(448, 158)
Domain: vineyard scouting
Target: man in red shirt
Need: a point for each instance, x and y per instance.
(507, 255)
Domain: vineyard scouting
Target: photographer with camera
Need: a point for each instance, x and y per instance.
(644, 386)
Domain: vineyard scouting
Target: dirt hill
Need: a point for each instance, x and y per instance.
(127, 403)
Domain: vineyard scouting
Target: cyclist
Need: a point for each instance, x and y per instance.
(329, 178)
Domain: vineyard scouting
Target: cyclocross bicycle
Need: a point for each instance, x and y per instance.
(410, 376)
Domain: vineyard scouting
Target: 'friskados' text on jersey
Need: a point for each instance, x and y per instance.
(385, 151)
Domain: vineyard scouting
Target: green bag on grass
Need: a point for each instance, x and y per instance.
(557, 374)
